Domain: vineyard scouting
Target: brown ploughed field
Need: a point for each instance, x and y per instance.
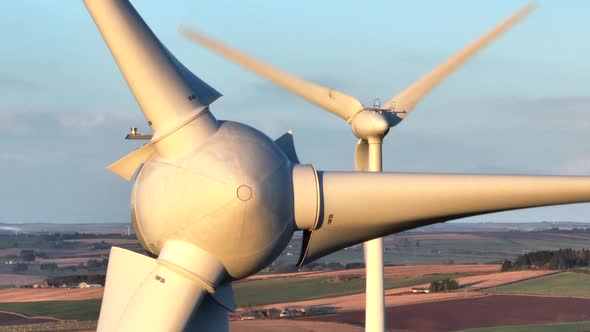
(49, 294)
(486, 311)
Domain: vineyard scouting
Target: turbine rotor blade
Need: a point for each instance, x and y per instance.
(128, 165)
(336, 102)
(406, 100)
(169, 95)
(209, 317)
(359, 206)
(147, 294)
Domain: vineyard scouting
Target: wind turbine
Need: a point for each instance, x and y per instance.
(369, 125)
(216, 201)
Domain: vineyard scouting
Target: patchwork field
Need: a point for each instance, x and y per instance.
(400, 295)
(448, 311)
(427, 248)
(281, 288)
(399, 271)
(339, 291)
(261, 292)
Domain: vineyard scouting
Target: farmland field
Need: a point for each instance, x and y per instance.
(78, 326)
(7, 318)
(428, 255)
(398, 271)
(49, 294)
(401, 296)
(486, 311)
(290, 326)
(415, 248)
(267, 291)
(562, 284)
(70, 310)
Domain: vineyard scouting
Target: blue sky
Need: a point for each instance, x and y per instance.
(521, 106)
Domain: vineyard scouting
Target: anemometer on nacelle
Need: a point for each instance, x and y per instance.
(135, 134)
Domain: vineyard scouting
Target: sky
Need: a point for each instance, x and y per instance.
(522, 106)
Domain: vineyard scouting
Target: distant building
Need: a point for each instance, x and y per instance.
(420, 290)
(285, 313)
(41, 285)
(84, 284)
(69, 285)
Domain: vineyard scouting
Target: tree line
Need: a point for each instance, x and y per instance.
(561, 259)
(443, 285)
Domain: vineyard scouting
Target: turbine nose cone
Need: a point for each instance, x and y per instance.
(370, 124)
(231, 197)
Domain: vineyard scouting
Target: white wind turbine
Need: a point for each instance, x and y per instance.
(370, 125)
(217, 201)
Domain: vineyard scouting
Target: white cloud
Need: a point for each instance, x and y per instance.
(91, 120)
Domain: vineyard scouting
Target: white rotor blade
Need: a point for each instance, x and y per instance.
(359, 206)
(406, 100)
(209, 317)
(142, 294)
(336, 102)
(126, 166)
(167, 92)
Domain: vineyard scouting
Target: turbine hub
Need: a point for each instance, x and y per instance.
(232, 196)
(370, 124)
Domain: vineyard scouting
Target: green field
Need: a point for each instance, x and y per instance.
(267, 291)
(562, 284)
(70, 310)
(583, 326)
(52, 326)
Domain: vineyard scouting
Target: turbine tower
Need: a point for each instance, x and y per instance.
(216, 201)
(369, 125)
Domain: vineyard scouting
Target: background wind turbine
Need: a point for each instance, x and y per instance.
(216, 201)
(370, 125)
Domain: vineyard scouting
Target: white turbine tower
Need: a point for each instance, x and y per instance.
(216, 201)
(370, 125)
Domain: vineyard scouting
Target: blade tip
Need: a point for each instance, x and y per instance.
(529, 7)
